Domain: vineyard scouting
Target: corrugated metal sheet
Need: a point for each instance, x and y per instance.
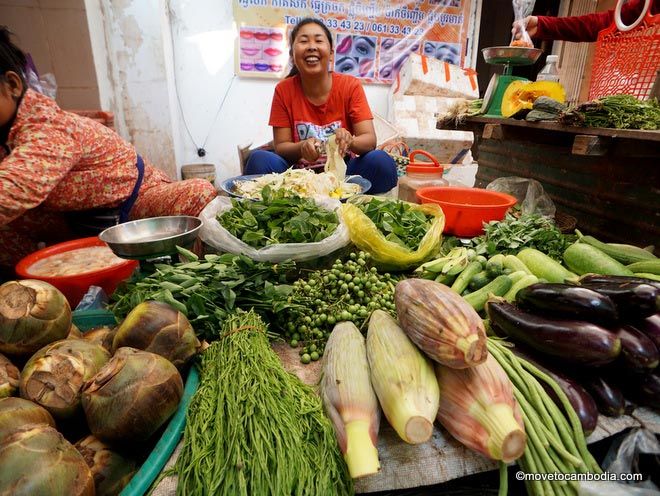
(616, 198)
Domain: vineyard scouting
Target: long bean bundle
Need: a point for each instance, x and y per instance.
(254, 429)
(556, 442)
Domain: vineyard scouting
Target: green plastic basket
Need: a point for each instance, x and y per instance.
(155, 462)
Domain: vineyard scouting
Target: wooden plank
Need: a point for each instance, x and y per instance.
(591, 145)
(553, 126)
(492, 131)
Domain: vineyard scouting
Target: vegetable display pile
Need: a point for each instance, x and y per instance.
(278, 218)
(206, 290)
(513, 233)
(253, 428)
(399, 222)
(349, 291)
(616, 111)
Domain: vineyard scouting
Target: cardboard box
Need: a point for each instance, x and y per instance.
(449, 147)
(426, 76)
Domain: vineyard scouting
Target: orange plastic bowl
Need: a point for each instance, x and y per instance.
(466, 209)
(75, 286)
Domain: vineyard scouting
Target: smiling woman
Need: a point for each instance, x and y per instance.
(314, 103)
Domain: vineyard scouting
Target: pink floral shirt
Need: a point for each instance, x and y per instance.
(65, 162)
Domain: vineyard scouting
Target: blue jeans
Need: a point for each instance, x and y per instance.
(376, 166)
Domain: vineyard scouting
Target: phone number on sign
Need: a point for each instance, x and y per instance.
(372, 27)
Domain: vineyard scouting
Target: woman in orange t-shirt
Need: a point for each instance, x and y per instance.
(313, 103)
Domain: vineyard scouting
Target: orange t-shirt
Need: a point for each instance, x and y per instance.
(346, 105)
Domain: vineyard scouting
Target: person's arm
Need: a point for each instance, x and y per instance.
(41, 158)
(584, 27)
(363, 141)
(292, 152)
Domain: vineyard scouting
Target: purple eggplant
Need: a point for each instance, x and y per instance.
(596, 279)
(644, 390)
(568, 301)
(651, 327)
(608, 397)
(637, 350)
(632, 300)
(581, 401)
(571, 340)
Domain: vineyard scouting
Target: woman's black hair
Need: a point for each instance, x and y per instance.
(294, 33)
(12, 58)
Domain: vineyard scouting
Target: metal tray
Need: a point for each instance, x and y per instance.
(151, 238)
(508, 55)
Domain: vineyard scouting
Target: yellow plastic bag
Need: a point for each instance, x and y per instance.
(387, 254)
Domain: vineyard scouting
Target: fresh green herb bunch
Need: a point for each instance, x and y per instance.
(616, 111)
(398, 221)
(349, 291)
(514, 233)
(207, 290)
(278, 218)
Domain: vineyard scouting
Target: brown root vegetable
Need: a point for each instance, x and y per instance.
(18, 412)
(102, 336)
(158, 328)
(131, 396)
(111, 471)
(74, 333)
(55, 375)
(9, 376)
(32, 314)
(36, 459)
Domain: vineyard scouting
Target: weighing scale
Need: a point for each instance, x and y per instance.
(509, 57)
(153, 240)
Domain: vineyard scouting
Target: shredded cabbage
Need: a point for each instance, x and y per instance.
(300, 182)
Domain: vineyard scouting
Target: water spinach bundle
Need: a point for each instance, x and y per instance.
(253, 428)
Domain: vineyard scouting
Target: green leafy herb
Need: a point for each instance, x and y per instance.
(616, 111)
(398, 221)
(277, 218)
(207, 290)
(513, 233)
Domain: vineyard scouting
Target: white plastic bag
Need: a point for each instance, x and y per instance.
(529, 193)
(213, 234)
(521, 10)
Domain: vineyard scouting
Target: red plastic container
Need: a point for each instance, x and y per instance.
(74, 287)
(466, 209)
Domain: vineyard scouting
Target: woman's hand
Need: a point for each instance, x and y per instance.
(344, 140)
(309, 149)
(529, 24)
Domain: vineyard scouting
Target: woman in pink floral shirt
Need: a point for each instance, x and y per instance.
(54, 163)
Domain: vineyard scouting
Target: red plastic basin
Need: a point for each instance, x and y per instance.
(75, 286)
(466, 209)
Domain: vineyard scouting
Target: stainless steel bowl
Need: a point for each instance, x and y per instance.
(508, 55)
(151, 238)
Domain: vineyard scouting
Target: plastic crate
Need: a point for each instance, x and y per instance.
(155, 462)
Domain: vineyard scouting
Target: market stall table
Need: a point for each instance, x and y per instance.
(440, 460)
(608, 179)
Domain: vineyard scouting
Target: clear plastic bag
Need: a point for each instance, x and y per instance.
(386, 254)
(522, 9)
(622, 459)
(216, 236)
(530, 194)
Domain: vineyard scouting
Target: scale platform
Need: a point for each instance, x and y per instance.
(509, 57)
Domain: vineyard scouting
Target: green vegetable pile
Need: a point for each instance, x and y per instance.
(207, 290)
(252, 428)
(514, 233)
(400, 223)
(349, 291)
(616, 111)
(278, 218)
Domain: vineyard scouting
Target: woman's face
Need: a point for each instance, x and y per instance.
(311, 50)
(11, 88)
